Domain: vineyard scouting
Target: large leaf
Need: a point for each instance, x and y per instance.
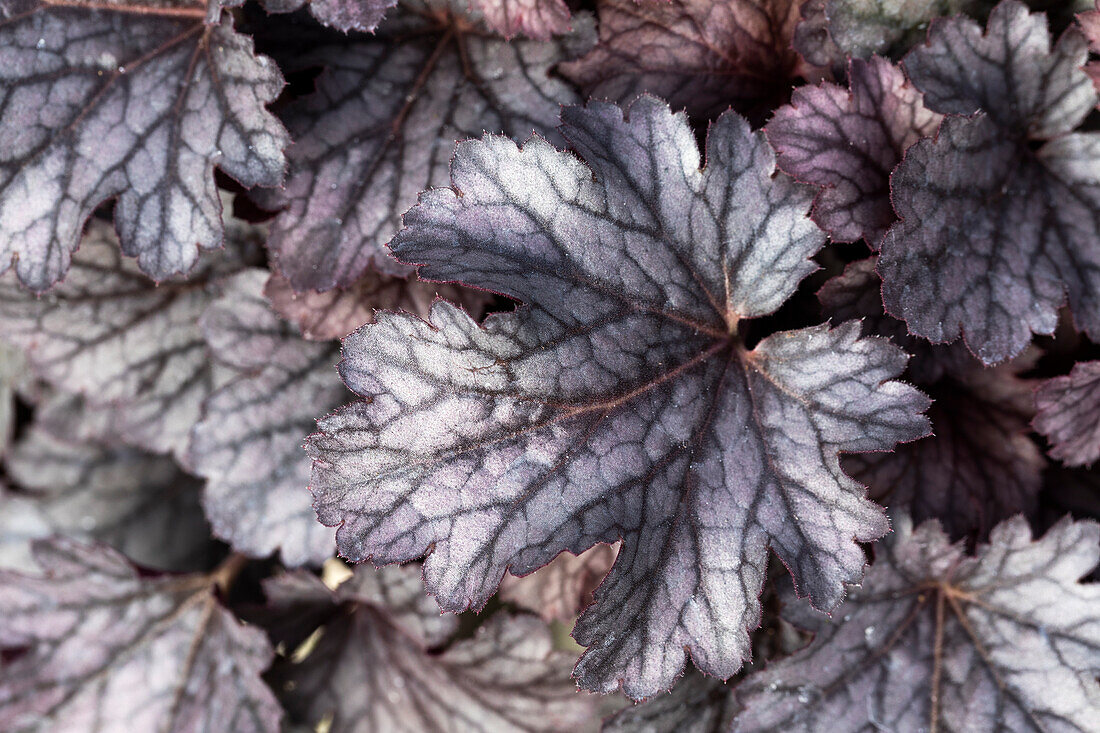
(848, 141)
(620, 403)
(1069, 414)
(138, 103)
(1007, 640)
(1001, 211)
(700, 54)
(336, 313)
(372, 669)
(382, 124)
(132, 347)
(140, 504)
(249, 443)
(981, 466)
(109, 650)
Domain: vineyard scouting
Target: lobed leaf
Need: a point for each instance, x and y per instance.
(381, 128)
(620, 402)
(1069, 414)
(1001, 211)
(936, 640)
(109, 650)
(136, 103)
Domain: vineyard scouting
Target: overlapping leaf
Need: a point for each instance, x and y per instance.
(382, 124)
(1069, 414)
(249, 443)
(336, 313)
(1001, 211)
(132, 347)
(132, 102)
(345, 15)
(703, 55)
(1089, 23)
(108, 650)
(861, 28)
(981, 465)
(936, 640)
(372, 669)
(696, 704)
(563, 588)
(139, 504)
(848, 141)
(620, 402)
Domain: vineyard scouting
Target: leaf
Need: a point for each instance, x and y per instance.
(697, 704)
(140, 504)
(936, 640)
(1089, 23)
(107, 649)
(344, 15)
(1069, 414)
(371, 669)
(702, 55)
(13, 375)
(336, 313)
(538, 19)
(248, 444)
(891, 27)
(382, 124)
(131, 347)
(563, 588)
(848, 141)
(814, 43)
(620, 403)
(981, 465)
(1026, 187)
(143, 101)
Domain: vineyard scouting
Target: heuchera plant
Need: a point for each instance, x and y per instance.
(549, 365)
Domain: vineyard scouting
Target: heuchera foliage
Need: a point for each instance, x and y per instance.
(549, 365)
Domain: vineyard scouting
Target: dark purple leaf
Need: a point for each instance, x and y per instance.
(131, 347)
(248, 444)
(1001, 211)
(702, 55)
(140, 504)
(980, 466)
(563, 588)
(621, 402)
(1069, 414)
(110, 650)
(848, 141)
(336, 313)
(382, 125)
(1007, 640)
(136, 103)
(371, 671)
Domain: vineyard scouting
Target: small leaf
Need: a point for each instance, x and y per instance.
(563, 588)
(1001, 211)
(371, 671)
(936, 640)
(131, 347)
(107, 649)
(381, 127)
(344, 15)
(336, 313)
(620, 403)
(1069, 414)
(848, 141)
(702, 55)
(135, 103)
(248, 444)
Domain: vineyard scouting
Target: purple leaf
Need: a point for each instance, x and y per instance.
(344, 15)
(381, 127)
(848, 141)
(107, 649)
(538, 19)
(1001, 211)
(248, 444)
(702, 55)
(336, 313)
(620, 403)
(140, 504)
(890, 27)
(132, 347)
(813, 41)
(1089, 23)
(370, 670)
(563, 588)
(936, 640)
(697, 704)
(981, 465)
(135, 103)
(1069, 414)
